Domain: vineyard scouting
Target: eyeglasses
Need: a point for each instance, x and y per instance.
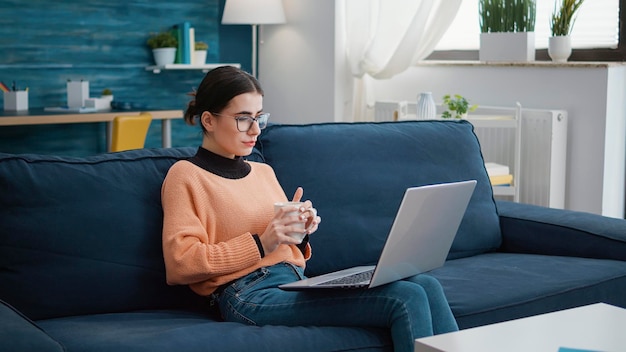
(244, 123)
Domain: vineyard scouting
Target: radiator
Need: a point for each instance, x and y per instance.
(537, 161)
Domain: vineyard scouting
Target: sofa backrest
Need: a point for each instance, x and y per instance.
(83, 235)
(356, 174)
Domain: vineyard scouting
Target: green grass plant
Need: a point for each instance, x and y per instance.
(563, 17)
(507, 15)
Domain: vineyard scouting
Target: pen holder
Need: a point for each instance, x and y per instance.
(16, 100)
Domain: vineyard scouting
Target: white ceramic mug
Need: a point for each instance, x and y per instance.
(296, 205)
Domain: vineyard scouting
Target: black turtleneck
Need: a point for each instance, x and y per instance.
(216, 164)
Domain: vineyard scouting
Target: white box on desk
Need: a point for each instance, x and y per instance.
(77, 93)
(98, 103)
(16, 100)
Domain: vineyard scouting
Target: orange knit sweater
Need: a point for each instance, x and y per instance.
(209, 221)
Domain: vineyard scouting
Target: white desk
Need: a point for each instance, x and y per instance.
(41, 117)
(596, 327)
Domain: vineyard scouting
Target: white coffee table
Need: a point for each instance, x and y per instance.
(596, 327)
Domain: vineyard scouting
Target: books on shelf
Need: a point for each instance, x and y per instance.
(185, 34)
(501, 180)
(499, 174)
(191, 45)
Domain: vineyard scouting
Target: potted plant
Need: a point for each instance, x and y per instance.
(200, 52)
(163, 45)
(107, 94)
(507, 30)
(561, 24)
(456, 106)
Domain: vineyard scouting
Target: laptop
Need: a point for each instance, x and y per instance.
(419, 240)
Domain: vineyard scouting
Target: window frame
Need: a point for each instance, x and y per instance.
(600, 54)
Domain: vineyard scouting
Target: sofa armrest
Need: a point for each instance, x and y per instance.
(539, 230)
(18, 333)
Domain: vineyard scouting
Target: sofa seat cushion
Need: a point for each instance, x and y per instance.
(356, 174)
(494, 287)
(18, 333)
(82, 235)
(153, 331)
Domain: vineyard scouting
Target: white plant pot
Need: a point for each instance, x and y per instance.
(199, 57)
(560, 48)
(164, 56)
(507, 46)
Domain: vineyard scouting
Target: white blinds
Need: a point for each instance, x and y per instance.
(596, 26)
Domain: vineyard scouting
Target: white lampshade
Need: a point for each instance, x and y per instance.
(253, 12)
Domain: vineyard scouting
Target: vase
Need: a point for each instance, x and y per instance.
(425, 108)
(199, 57)
(559, 48)
(164, 56)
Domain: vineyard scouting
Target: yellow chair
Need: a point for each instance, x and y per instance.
(130, 131)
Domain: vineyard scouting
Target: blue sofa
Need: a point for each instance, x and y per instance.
(81, 265)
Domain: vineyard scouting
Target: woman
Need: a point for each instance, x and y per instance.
(222, 237)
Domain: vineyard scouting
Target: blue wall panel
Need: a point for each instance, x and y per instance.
(44, 43)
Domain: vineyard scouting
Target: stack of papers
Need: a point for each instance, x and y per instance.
(68, 109)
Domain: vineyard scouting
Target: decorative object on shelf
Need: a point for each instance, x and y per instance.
(425, 108)
(163, 47)
(507, 30)
(254, 13)
(107, 94)
(456, 107)
(561, 24)
(560, 48)
(200, 51)
(101, 103)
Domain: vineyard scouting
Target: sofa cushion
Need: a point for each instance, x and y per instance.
(153, 331)
(19, 333)
(495, 287)
(83, 235)
(533, 229)
(356, 174)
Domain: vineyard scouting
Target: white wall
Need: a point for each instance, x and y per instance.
(297, 63)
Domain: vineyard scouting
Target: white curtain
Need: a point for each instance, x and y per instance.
(385, 37)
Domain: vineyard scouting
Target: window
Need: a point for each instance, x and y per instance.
(595, 35)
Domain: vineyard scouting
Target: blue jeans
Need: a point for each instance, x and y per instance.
(411, 308)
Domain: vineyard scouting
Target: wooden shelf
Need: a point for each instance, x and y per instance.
(204, 68)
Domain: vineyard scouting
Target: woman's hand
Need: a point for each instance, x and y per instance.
(312, 219)
(283, 223)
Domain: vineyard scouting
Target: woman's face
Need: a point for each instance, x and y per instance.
(223, 137)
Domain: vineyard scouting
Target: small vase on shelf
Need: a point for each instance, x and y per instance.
(559, 48)
(425, 108)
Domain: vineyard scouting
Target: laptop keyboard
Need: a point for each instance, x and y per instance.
(363, 277)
